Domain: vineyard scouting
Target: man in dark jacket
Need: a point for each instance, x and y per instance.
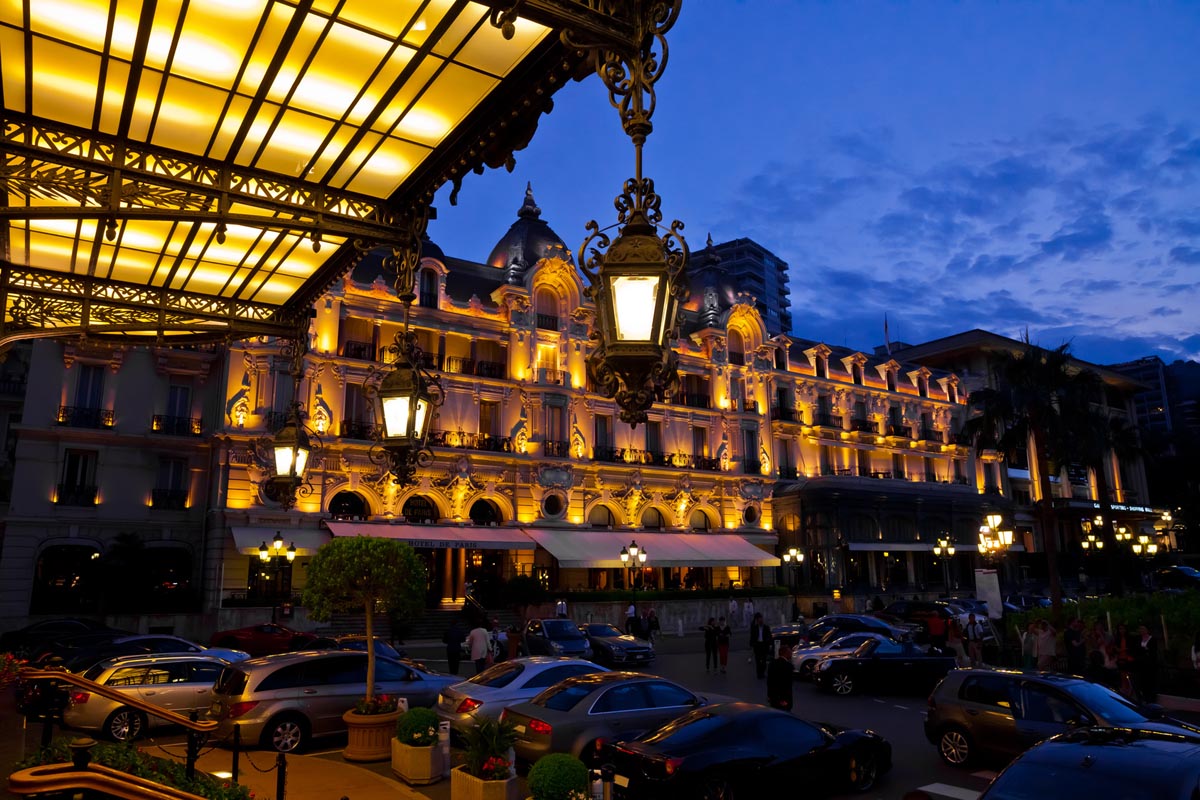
(453, 639)
(760, 643)
(779, 680)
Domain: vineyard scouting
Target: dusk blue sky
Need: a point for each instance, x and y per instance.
(1006, 166)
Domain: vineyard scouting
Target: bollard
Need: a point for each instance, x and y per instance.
(81, 751)
(280, 776)
(606, 781)
(237, 749)
(444, 745)
(193, 748)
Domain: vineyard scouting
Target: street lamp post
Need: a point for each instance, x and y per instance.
(793, 558)
(277, 558)
(633, 557)
(944, 546)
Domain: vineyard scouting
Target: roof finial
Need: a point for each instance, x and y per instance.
(529, 208)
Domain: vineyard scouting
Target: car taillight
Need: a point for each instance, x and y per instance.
(671, 765)
(931, 702)
(468, 705)
(79, 698)
(537, 726)
(599, 743)
(238, 709)
(504, 715)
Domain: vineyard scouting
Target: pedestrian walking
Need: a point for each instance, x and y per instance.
(1045, 645)
(974, 636)
(560, 608)
(732, 609)
(1029, 646)
(1076, 647)
(1145, 659)
(479, 646)
(954, 640)
(780, 680)
(748, 611)
(724, 634)
(936, 627)
(631, 619)
(653, 626)
(453, 639)
(760, 644)
(710, 645)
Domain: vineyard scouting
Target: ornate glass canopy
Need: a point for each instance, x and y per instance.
(207, 169)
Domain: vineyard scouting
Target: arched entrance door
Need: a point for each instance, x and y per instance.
(66, 580)
(483, 569)
(348, 505)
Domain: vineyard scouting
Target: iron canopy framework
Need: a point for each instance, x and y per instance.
(206, 170)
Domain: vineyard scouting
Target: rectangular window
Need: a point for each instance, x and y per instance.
(826, 460)
(489, 417)
(959, 475)
(700, 441)
(930, 470)
(179, 401)
(358, 406)
(784, 455)
(79, 468)
(898, 466)
(864, 463)
(891, 380)
(894, 416)
(172, 474)
(654, 442)
(547, 356)
(89, 388)
(556, 428)
(750, 447)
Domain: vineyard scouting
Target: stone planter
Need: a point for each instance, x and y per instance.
(370, 735)
(417, 766)
(464, 786)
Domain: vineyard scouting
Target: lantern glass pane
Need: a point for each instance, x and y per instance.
(284, 458)
(301, 459)
(634, 299)
(395, 416)
(422, 413)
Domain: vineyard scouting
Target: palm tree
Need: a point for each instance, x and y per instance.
(1031, 387)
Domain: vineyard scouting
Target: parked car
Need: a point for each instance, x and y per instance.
(842, 624)
(503, 684)
(263, 640)
(805, 659)
(1027, 602)
(1176, 577)
(919, 612)
(1104, 762)
(978, 712)
(790, 633)
(354, 641)
(284, 701)
(576, 715)
(23, 641)
(554, 637)
(616, 649)
(77, 656)
(731, 749)
(180, 683)
(890, 666)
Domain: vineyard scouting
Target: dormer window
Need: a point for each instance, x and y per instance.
(428, 290)
(891, 380)
(952, 393)
(923, 386)
(856, 373)
(822, 367)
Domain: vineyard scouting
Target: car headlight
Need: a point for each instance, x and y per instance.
(556, 647)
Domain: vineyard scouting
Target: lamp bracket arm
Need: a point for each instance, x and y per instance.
(406, 251)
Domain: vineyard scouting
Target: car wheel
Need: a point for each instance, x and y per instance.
(864, 772)
(125, 725)
(716, 788)
(286, 734)
(954, 746)
(842, 684)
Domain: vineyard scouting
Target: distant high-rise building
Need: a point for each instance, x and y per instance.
(1152, 407)
(745, 266)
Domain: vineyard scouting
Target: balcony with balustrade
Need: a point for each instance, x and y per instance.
(80, 495)
(176, 426)
(364, 351)
(78, 417)
(358, 430)
(898, 431)
(471, 440)
(547, 322)
(556, 448)
(863, 425)
(693, 400)
(831, 422)
(169, 499)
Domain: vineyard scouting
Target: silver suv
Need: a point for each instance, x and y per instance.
(181, 683)
(283, 701)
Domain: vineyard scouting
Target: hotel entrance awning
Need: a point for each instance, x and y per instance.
(439, 536)
(601, 549)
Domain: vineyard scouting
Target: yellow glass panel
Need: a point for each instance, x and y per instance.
(150, 235)
(144, 105)
(185, 121)
(434, 13)
(455, 94)
(388, 19)
(115, 81)
(12, 44)
(65, 81)
(489, 51)
(212, 42)
(292, 142)
(47, 251)
(269, 42)
(64, 227)
(298, 51)
(344, 62)
(229, 126)
(459, 30)
(84, 23)
(387, 168)
(415, 85)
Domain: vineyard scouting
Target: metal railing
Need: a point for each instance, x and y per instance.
(78, 417)
(363, 350)
(355, 429)
(693, 400)
(470, 440)
(789, 473)
(547, 322)
(176, 426)
(825, 420)
(904, 431)
(169, 499)
(783, 413)
(75, 495)
(736, 358)
(550, 376)
(931, 435)
(556, 448)
(490, 369)
(751, 466)
(862, 425)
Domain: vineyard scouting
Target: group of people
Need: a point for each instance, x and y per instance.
(717, 634)
(964, 641)
(645, 626)
(1122, 660)
(481, 645)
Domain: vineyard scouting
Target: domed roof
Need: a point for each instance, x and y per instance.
(528, 240)
(371, 265)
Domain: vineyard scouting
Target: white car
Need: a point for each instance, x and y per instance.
(165, 643)
(805, 659)
(500, 685)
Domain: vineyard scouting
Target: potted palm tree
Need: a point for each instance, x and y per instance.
(559, 776)
(370, 575)
(416, 751)
(487, 771)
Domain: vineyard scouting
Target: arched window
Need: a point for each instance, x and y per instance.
(601, 517)
(737, 348)
(652, 519)
(428, 291)
(546, 305)
(419, 509)
(699, 521)
(485, 512)
(66, 580)
(348, 505)
(168, 572)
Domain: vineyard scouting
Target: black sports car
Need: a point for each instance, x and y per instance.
(893, 667)
(612, 648)
(736, 749)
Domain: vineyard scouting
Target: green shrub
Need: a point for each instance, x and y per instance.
(558, 776)
(417, 727)
(127, 758)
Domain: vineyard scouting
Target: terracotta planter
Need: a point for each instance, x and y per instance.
(464, 786)
(417, 766)
(370, 735)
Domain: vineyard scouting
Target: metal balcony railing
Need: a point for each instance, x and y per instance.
(490, 369)
(547, 322)
(276, 420)
(357, 429)
(736, 358)
(751, 466)
(470, 440)
(12, 387)
(862, 425)
(176, 426)
(693, 400)
(931, 435)
(457, 365)
(826, 420)
(552, 377)
(899, 430)
(169, 499)
(789, 473)
(75, 495)
(555, 448)
(607, 453)
(77, 417)
(783, 413)
(363, 350)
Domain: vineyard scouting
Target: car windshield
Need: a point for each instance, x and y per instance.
(231, 682)
(498, 675)
(1105, 704)
(562, 697)
(603, 630)
(686, 729)
(866, 648)
(561, 629)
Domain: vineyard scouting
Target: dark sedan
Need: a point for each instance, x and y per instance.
(612, 648)
(555, 637)
(877, 665)
(831, 626)
(731, 749)
(357, 642)
(25, 641)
